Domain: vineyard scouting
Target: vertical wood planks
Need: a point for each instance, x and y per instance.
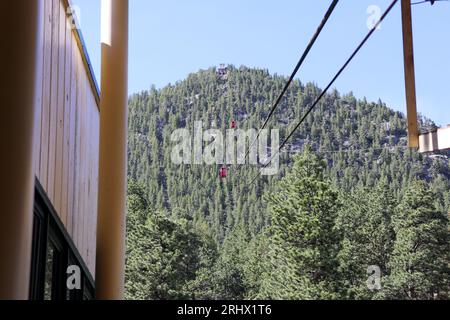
(67, 130)
(72, 135)
(82, 174)
(39, 102)
(60, 112)
(91, 227)
(53, 108)
(77, 142)
(46, 90)
(66, 126)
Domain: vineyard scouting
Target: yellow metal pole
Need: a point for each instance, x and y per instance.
(110, 265)
(20, 22)
(410, 78)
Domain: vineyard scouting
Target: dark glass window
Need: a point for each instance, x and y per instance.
(49, 274)
(53, 252)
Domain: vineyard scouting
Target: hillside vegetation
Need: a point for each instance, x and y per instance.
(350, 196)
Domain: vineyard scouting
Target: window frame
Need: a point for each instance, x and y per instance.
(48, 228)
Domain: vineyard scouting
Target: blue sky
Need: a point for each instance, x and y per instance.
(170, 39)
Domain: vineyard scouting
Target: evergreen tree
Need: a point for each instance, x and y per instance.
(420, 261)
(164, 256)
(239, 242)
(303, 236)
(365, 224)
(229, 281)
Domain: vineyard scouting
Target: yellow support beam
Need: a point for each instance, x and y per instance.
(410, 78)
(20, 31)
(110, 267)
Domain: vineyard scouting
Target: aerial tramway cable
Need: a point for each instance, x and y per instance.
(316, 102)
(294, 73)
(430, 1)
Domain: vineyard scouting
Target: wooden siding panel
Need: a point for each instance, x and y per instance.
(67, 130)
(53, 102)
(66, 126)
(60, 113)
(82, 177)
(46, 90)
(39, 102)
(93, 183)
(72, 139)
(77, 180)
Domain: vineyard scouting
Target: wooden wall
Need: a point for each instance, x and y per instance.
(67, 143)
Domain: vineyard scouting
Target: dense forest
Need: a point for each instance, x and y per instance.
(353, 213)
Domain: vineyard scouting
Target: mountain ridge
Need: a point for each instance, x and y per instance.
(355, 190)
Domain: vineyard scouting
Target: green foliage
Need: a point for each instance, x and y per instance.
(192, 235)
(303, 236)
(229, 277)
(365, 224)
(164, 256)
(420, 260)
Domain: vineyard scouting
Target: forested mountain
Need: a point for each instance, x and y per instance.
(349, 195)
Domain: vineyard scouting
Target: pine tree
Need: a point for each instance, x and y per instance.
(229, 279)
(365, 224)
(303, 237)
(420, 260)
(359, 150)
(166, 257)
